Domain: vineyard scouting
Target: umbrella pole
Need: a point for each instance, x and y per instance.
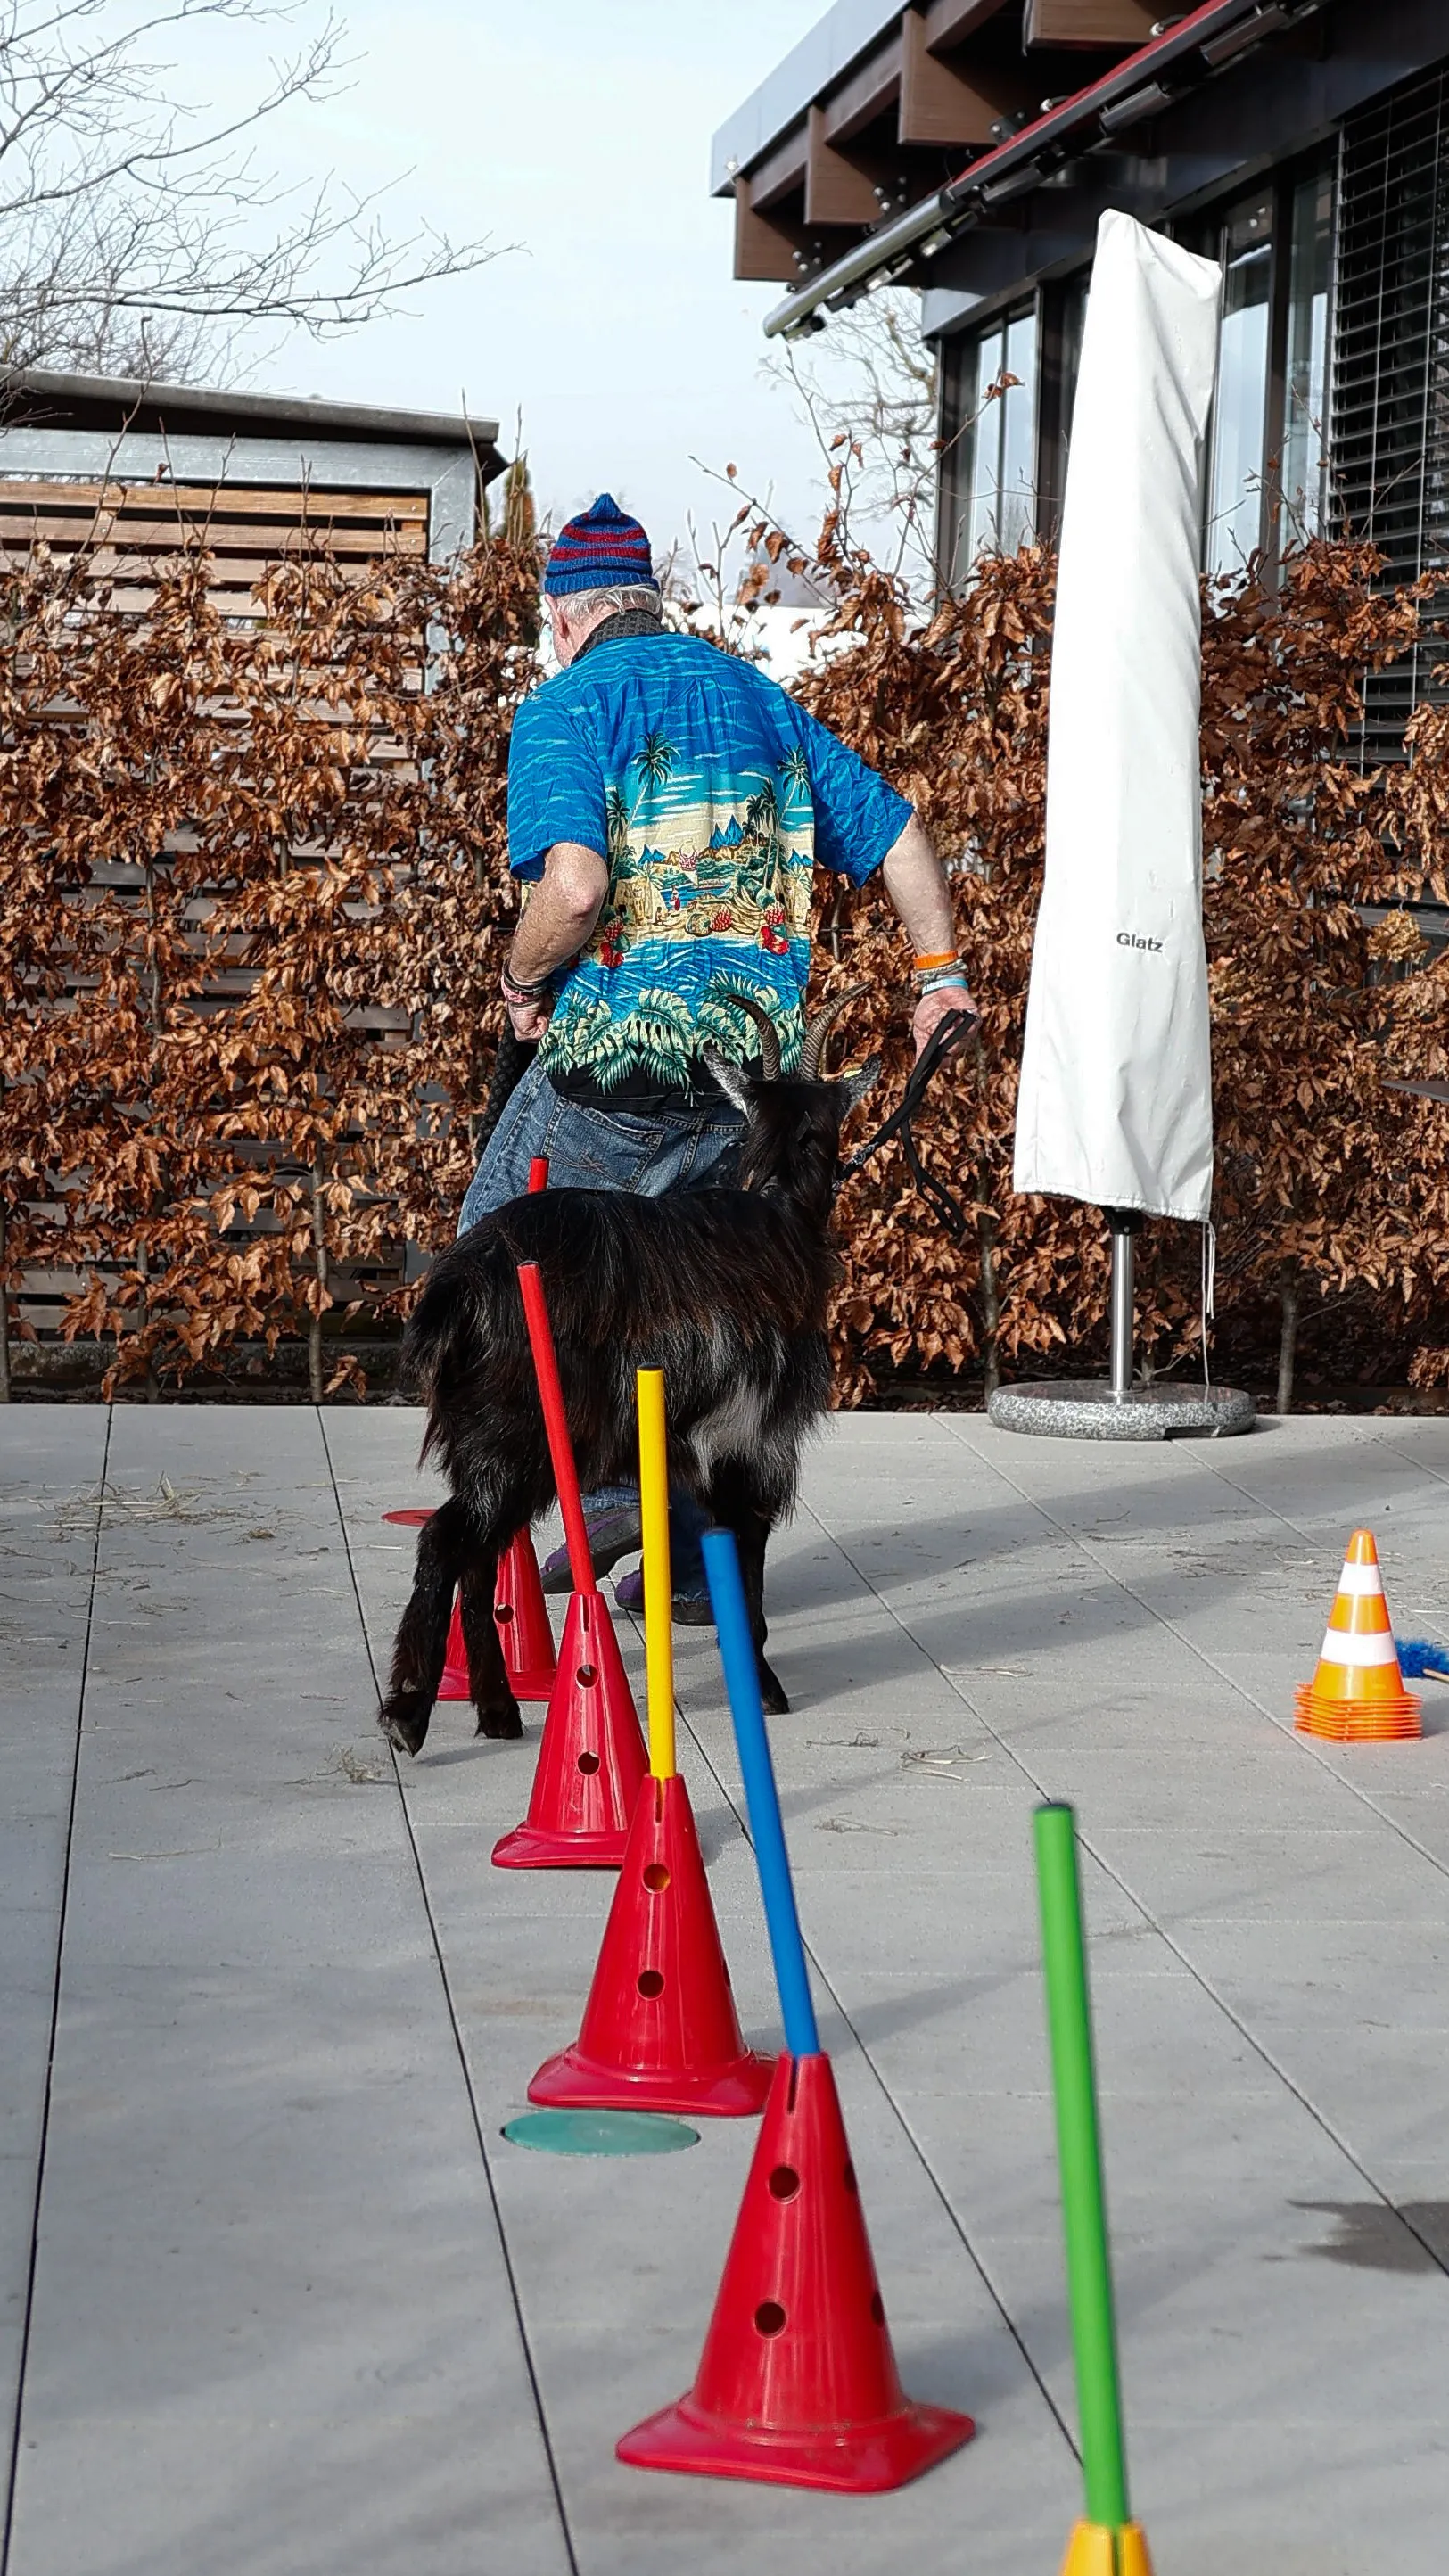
(1124, 1223)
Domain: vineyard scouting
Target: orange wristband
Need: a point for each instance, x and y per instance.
(925, 965)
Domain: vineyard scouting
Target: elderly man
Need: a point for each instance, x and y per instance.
(667, 807)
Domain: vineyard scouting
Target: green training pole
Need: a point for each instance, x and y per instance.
(1084, 2212)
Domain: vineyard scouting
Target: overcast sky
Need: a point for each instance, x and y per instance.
(580, 130)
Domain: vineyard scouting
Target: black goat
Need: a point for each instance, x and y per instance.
(725, 1290)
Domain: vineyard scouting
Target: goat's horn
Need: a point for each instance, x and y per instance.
(818, 1030)
(769, 1034)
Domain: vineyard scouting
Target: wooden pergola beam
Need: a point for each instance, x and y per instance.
(1103, 23)
(764, 247)
(943, 103)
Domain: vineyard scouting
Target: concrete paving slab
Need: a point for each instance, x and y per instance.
(281, 2239)
(51, 1466)
(271, 2306)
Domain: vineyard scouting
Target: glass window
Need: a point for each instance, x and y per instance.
(1074, 316)
(982, 436)
(1016, 471)
(993, 470)
(1305, 387)
(1235, 499)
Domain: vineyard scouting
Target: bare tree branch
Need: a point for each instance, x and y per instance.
(868, 389)
(138, 232)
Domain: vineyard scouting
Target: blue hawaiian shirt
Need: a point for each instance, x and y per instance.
(711, 795)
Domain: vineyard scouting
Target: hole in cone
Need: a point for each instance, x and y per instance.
(656, 1878)
(502, 1614)
(588, 1761)
(650, 1982)
(877, 2308)
(784, 2182)
(850, 2182)
(588, 1674)
(770, 2317)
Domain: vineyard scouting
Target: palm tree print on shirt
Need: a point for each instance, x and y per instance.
(709, 891)
(795, 772)
(655, 764)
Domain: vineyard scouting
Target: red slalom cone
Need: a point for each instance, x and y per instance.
(523, 1630)
(456, 1682)
(797, 2382)
(591, 1762)
(522, 1621)
(660, 2031)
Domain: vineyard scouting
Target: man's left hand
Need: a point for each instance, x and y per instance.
(942, 1004)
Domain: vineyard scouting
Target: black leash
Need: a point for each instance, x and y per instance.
(510, 1064)
(937, 1047)
(515, 1055)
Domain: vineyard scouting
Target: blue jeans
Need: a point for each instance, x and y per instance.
(611, 1149)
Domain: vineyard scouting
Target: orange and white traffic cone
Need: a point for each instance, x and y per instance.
(1357, 1695)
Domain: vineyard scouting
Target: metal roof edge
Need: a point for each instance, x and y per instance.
(304, 413)
(829, 48)
(951, 210)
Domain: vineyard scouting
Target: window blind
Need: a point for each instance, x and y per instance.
(1390, 416)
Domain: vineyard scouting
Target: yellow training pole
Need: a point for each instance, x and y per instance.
(658, 1589)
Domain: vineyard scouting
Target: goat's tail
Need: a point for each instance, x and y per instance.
(446, 1338)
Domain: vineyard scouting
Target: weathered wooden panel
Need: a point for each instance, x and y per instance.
(131, 530)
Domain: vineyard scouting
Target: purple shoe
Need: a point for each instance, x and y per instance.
(690, 1609)
(614, 1534)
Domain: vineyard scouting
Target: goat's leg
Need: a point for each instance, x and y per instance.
(751, 1537)
(421, 1646)
(734, 1504)
(498, 1713)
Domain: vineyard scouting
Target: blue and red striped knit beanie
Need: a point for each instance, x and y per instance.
(602, 549)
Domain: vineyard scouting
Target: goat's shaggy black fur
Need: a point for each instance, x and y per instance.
(725, 1290)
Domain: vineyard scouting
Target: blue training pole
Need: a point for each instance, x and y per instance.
(762, 1798)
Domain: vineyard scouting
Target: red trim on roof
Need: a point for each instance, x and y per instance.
(1181, 39)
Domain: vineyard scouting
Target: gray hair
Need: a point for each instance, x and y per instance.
(609, 603)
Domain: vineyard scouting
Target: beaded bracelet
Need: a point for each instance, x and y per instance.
(516, 992)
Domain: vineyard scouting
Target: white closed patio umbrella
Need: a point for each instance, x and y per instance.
(1115, 1105)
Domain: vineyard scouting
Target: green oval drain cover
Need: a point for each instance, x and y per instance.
(600, 2133)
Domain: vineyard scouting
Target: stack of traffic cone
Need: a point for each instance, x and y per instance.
(660, 2031)
(591, 1761)
(797, 2384)
(1357, 1695)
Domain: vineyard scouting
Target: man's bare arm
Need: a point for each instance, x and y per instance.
(916, 883)
(558, 922)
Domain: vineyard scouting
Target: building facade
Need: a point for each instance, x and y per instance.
(151, 462)
(967, 147)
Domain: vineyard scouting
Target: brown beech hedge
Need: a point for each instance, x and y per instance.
(253, 889)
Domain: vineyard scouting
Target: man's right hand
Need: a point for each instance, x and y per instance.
(528, 1020)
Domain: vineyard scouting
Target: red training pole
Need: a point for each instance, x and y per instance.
(538, 1173)
(555, 1423)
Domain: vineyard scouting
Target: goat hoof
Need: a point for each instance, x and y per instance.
(503, 1723)
(772, 1697)
(405, 1723)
